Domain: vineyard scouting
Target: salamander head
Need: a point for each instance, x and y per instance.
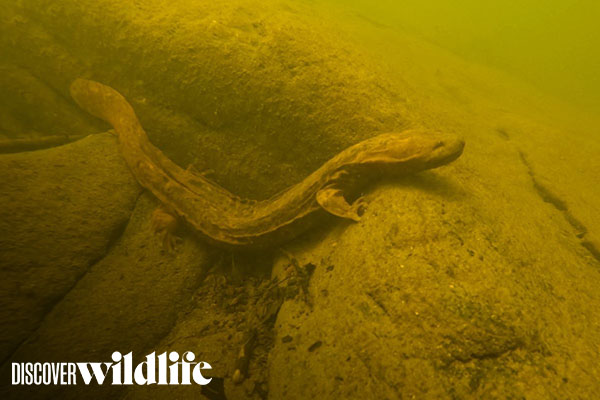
(407, 152)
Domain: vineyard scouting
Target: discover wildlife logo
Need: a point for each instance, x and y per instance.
(153, 370)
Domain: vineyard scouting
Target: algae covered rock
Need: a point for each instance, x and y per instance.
(128, 301)
(262, 82)
(61, 210)
(479, 280)
(427, 297)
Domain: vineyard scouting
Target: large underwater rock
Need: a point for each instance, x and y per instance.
(266, 83)
(434, 295)
(128, 301)
(478, 280)
(61, 209)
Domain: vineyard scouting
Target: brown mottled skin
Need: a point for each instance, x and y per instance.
(227, 219)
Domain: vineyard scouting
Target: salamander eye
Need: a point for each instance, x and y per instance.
(438, 145)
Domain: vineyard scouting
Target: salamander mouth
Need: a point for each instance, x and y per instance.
(450, 150)
(434, 154)
(455, 149)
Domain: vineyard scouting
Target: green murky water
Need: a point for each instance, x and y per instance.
(551, 43)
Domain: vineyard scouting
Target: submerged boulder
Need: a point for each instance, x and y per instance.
(62, 208)
(126, 302)
(434, 295)
(478, 280)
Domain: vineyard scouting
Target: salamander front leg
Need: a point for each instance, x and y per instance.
(164, 223)
(332, 200)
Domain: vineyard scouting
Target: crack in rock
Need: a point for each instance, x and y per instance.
(561, 205)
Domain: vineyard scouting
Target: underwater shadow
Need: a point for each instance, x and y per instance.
(426, 181)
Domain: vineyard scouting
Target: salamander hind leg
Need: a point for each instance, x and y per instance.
(332, 200)
(164, 223)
